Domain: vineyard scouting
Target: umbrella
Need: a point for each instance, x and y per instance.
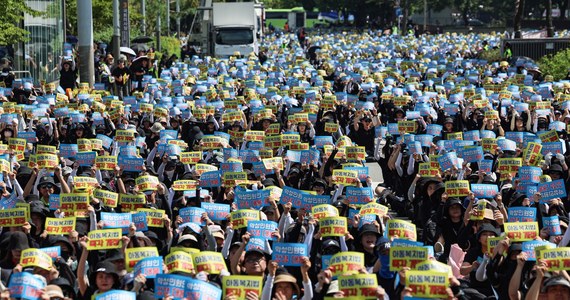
(141, 40)
(139, 47)
(127, 50)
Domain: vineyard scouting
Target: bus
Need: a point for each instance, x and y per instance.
(297, 18)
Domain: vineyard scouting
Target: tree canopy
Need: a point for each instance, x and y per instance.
(10, 19)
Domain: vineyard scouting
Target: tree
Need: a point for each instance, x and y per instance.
(10, 19)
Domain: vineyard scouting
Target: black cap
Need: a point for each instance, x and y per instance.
(487, 227)
(19, 241)
(330, 243)
(368, 228)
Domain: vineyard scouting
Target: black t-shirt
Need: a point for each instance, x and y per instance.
(118, 72)
(364, 137)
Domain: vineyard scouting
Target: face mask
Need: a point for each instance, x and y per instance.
(169, 173)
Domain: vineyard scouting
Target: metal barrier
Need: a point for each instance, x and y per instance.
(536, 48)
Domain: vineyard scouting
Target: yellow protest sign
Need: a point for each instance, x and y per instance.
(104, 239)
(346, 263)
(356, 153)
(273, 129)
(401, 257)
(254, 135)
(82, 182)
(147, 183)
(556, 258)
(427, 284)
(58, 226)
(203, 168)
(532, 153)
(110, 199)
(46, 149)
(240, 217)
(521, 231)
(13, 217)
(333, 226)
(324, 211)
(272, 142)
(154, 217)
(84, 145)
(190, 158)
(401, 229)
(184, 185)
(506, 166)
(492, 242)
(374, 209)
(208, 261)
(17, 145)
(74, 204)
(33, 257)
(124, 136)
(130, 202)
(457, 188)
(96, 144)
(358, 286)
(331, 127)
(345, 177)
(211, 142)
(288, 139)
(407, 126)
(106, 162)
(435, 266)
(299, 146)
(273, 163)
(425, 170)
(240, 285)
(457, 136)
(549, 136)
(133, 255)
(231, 178)
(489, 145)
(179, 261)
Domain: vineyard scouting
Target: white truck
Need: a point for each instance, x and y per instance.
(237, 28)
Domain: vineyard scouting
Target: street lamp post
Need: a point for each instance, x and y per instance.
(85, 43)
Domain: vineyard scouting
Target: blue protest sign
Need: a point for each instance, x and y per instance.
(321, 141)
(251, 199)
(107, 141)
(471, 153)
(131, 164)
(233, 166)
(25, 285)
(139, 219)
(552, 189)
(29, 136)
(485, 191)
(262, 229)
(530, 174)
(551, 147)
(359, 196)
(521, 214)
(68, 150)
(472, 135)
(552, 224)
(291, 195)
(308, 200)
(447, 161)
(53, 201)
(211, 179)
(216, 211)
(516, 136)
(117, 220)
(192, 214)
(506, 145)
(528, 248)
(289, 254)
(180, 287)
(86, 159)
(433, 129)
(485, 166)
(230, 153)
(53, 252)
(424, 139)
(150, 267)
(487, 134)
(249, 156)
(362, 172)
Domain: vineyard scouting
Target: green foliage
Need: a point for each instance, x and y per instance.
(170, 45)
(11, 16)
(492, 55)
(555, 65)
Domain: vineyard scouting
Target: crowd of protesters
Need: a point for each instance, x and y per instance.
(471, 152)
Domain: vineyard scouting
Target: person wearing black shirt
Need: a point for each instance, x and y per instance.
(121, 73)
(68, 74)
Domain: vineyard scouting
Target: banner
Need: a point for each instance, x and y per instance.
(447, 161)
(530, 174)
(374, 209)
(131, 164)
(289, 254)
(521, 231)
(14, 217)
(46, 161)
(86, 159)
(532, 153)
(179, 261)
(348, 262)
(471, 153)
(556, 259)
(116, 294)
(457, 188)
(147, 183)
(192, 215)
(427, 284)
(401, 257)
(240, 285)
(116, 220)
(211, 179)
(345, 177)
(356, 195)
(83, 182)
(190, 158)
(333, 226)
(361, 286)
(211, 262)
(551, 190)
(508, 166)
(355, 153)
(528, 247)
(401, 229)
(552, 224)
(134, 255)
(104, 239)
(58, 226)
(250, 199)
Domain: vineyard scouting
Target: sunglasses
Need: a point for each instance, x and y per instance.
(46, 186)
